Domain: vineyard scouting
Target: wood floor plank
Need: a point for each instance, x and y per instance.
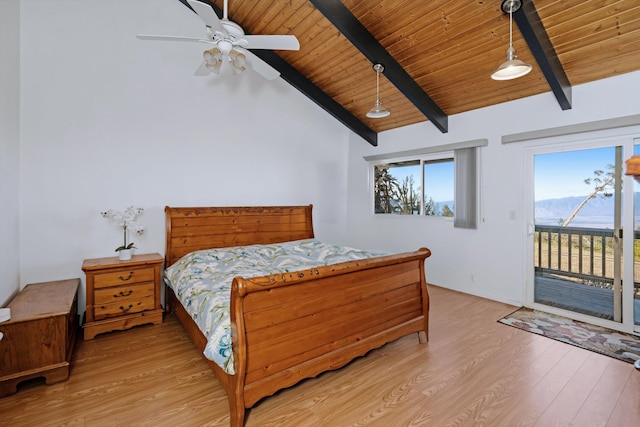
(568, 402)
(473, 371)
(598, 407)
(626, 413)
(544, 393)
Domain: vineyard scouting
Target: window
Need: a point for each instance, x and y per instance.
(396, 188)
(438, 187)
(415, 187)
(435, 181)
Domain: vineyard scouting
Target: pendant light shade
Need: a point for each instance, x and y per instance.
(513, 67)
(378, 111)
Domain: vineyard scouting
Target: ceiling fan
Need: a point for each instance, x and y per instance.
(230, 44)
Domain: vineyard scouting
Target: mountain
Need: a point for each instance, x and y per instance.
(597, 212)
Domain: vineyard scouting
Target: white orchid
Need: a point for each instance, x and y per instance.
(128, 221)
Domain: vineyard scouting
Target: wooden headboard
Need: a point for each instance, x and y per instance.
(192, 229)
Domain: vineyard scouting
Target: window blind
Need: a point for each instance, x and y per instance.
(466, 188)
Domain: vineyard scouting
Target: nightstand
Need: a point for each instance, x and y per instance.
(122, 294)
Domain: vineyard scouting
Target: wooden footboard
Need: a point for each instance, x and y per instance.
(297, 325)
(292, 326)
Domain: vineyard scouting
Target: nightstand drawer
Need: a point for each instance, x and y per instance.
(123, 307)
(123, 277)
(124, 293)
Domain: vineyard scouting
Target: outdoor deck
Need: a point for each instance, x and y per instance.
(577, 297)
(574, 269)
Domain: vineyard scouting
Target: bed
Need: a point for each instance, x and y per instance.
(298, 323)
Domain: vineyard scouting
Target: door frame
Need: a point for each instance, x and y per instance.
(574, 142)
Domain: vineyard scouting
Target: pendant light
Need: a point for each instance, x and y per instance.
(378, 111)
(512, 68)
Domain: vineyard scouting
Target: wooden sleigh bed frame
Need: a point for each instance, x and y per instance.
(292, 326)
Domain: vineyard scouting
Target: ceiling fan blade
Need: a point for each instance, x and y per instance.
(259, 66)
(206, 13)
(202, 70)
(274, 42)
(172, 38)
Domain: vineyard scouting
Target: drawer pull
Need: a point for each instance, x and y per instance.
(124, 279)
(122, 294)
(127, 308)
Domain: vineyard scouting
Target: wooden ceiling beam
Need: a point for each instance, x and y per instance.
(313, 92)
(538, 41)
(362, 39)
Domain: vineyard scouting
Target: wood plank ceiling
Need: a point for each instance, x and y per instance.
(445, 49)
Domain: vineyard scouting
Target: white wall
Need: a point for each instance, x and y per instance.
(9, 148)
(109, 121)
(488, 261)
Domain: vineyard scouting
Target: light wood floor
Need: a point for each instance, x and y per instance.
(473, 372)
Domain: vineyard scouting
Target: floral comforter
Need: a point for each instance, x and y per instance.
(202, 280)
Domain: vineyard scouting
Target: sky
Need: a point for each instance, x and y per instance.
(557, 175)
(560, 175)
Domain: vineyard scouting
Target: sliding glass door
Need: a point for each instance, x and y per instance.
(577, 218)
(579, 212)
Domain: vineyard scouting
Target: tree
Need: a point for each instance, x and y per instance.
(430, 208)
(408, 196)
(603, 182)
(446, 211)
(384, 188)
(394, 197)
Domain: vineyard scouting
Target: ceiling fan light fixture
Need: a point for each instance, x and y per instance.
(229, 37)
(213, 60)
(512, 68)
(378, 111)
(237, 60)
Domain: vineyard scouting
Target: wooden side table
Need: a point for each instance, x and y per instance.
(122, 294)
(39, 338)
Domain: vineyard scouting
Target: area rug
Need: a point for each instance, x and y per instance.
(605, 341)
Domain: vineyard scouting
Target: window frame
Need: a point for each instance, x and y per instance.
(441, 156)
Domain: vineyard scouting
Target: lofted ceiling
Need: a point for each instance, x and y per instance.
(438, 54)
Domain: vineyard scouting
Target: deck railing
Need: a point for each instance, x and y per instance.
(583, 254)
